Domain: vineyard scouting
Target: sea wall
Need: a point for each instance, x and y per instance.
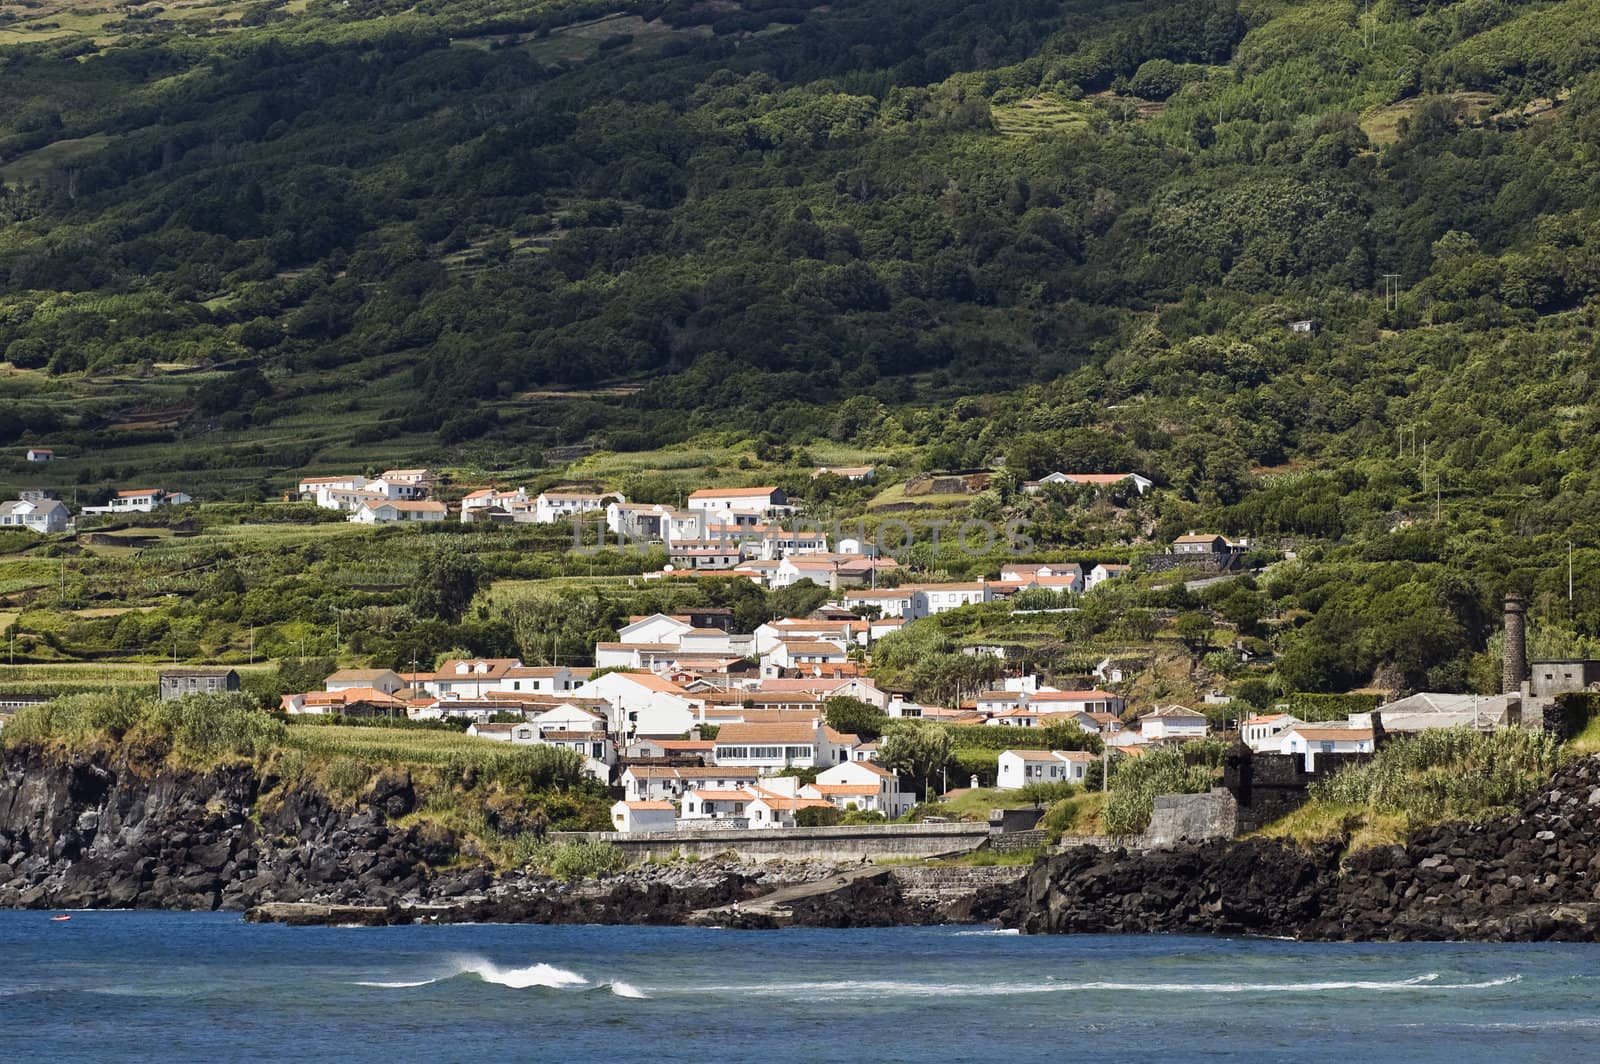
(796, 844)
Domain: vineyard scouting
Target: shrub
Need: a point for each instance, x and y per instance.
(584, 860)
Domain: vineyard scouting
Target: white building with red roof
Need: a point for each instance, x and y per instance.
(640, 816)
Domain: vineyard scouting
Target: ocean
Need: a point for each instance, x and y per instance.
(136, 986)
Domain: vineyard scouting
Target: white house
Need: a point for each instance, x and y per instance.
(770, 810)
(741, 500)
(660, 782)
(704, 554)
(553, 506)
(643, 703)
(386, 680)
(1309, 740)
(1172, 722)
(1076, 702)
(801, 655)
(1020, 767)
(655, 628)
(41, 454)
(476, 502)
(863, 785)
(928, 600)
(635, 521)
(140, 500)
(36, 515)
(1262, 733)
(539, 680)
(891, 602)
(1104, 480)
(407, 483)
(570, 717)
(467, 677)
(1103, 572)
(712, 803)
(644, 816)
(994, 703)
(855, 474)
(771, 748)
(398, 511)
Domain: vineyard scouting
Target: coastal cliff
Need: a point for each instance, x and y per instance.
(1532, 876)
(117, 828)
(112, 829)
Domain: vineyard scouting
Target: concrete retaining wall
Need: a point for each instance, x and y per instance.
(795, 844)
(1193, 817)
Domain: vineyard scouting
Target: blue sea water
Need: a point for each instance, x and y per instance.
(131, 986)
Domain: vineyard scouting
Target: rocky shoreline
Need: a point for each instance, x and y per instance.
(107, 831)
(102, 832)
(1534, 876)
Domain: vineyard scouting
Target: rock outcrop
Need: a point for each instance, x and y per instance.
(1532, 876)
(105, 831)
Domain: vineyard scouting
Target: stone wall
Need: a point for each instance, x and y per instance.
(795, 844)
(1268, 786)
(1194, 817)
(1013, 841)
(943, 885)
(1107, 843)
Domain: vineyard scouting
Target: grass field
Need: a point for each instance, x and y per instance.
(1038, 116)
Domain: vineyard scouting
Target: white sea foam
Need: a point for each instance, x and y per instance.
(627, 990)
(849, 988)
(990, 931)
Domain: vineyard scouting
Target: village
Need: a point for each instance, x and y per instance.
(698, 726)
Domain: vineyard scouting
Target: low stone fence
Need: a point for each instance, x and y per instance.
(795, 844)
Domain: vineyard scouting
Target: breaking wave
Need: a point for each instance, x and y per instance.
(547, 976)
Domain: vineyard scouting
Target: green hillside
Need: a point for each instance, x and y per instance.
(243, 241)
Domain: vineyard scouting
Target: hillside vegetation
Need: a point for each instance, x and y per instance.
(697, 241)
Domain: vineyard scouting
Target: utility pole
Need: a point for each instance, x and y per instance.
(1391, 291)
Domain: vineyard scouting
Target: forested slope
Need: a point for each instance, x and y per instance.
(239, 243)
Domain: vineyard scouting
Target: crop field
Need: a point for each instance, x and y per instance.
(393, 745)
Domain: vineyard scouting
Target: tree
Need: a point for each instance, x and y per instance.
(446, 582)
(920, 751)
(855, 717)
(1194, 631)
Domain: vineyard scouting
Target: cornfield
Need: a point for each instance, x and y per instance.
(1447, 773)
(1135, 783)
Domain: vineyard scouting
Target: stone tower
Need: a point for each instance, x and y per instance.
(1515, 668)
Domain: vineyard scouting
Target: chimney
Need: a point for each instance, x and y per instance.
(1515, 668)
